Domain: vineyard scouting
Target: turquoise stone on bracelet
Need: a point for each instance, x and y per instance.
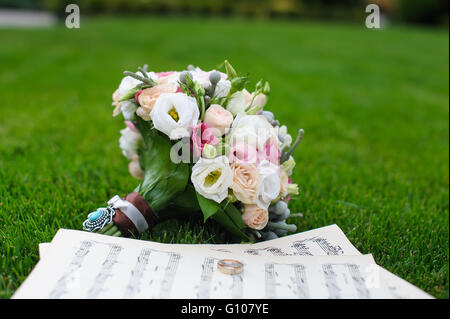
(99, 219)
(95, 215)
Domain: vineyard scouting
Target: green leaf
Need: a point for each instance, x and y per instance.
(163, 179)
(132, 92)
(235, 215)
(228, 216)
(208, 207)
(227, 222)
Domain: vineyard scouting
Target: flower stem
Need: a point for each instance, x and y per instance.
(111, 231)
(117, 234)
(140, 78)
(299, 138)
(107, 227)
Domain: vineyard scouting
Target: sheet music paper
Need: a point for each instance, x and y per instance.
(86, 265)
(328, 240)
(314, 264)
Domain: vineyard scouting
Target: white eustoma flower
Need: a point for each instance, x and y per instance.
(212, 178)
(128, 109)
(269, 184)
(129, 142)
(174, 114)
(253, 130)
(237, 103)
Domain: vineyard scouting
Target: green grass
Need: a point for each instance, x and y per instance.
(374, 105)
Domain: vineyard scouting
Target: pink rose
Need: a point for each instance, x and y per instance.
(255, 217)
(164, 74)
(270, 153)
(131, 126)
(219, 119)
(202, 134)
(242, 152)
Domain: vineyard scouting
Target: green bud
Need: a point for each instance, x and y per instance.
(223, 148)
(130, 94)
(253, 110)
(259, 85)
(199, 89)
(230, 70)
(238, 84)
(288, 165)
(292, 189)
(231, 196)
(183, 76)
(266, 89)
(209, 151)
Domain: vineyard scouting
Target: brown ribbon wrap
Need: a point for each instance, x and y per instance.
(125, 225)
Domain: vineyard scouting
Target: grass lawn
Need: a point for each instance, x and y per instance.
(374, 105)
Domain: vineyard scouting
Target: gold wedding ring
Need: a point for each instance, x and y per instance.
(230, 266)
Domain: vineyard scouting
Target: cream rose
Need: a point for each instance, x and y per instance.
(255, 217)
(218, 119)
(212, 178)
(245, 182)
(148, 97)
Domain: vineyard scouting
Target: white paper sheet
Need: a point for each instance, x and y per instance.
(86, 265)
(278, 257)
(329, 240)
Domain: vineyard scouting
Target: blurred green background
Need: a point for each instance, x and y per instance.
(433, 12)
(374, 105)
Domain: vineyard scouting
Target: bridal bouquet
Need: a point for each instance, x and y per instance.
(201, 143)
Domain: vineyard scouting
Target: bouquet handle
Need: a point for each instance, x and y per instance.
(134, 222)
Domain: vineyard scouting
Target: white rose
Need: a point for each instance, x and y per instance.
(171, 79)
(202, 77)
(174, 114)
(127, 84)
(237, 103)
(254, 130)
(129, 142)
(269, 184)
(212, 178)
